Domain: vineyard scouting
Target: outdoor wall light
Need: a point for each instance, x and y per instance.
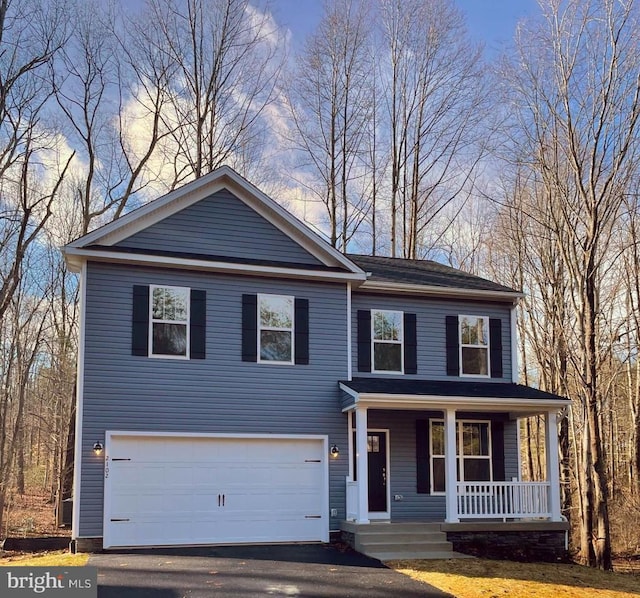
(97, 448)
(334, 451)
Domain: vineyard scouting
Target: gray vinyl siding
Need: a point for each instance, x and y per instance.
(402, 465)
(220, 394)
(430, 330)
(221, 225)
(511, 449)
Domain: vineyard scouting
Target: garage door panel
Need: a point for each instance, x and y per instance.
(171, 490)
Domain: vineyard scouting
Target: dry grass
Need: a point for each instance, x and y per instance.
(58, 558)
(481, 578)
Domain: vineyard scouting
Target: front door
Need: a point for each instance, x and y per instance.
(377, 449)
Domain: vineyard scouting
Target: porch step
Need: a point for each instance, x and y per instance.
(423, 556)
(398, 537)
(392, 528)
(397, 541)
(412, 546)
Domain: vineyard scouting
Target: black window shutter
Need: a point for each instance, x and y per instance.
(495, 347)
(249, 328)
(198, 324)
(497, 451)
(410, 344)
(422, 456)
(301, 326)
(453, 348)
(364, 340)
(140, 321)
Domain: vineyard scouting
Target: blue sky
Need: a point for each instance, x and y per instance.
(490, 21)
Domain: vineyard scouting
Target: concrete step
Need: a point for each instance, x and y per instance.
(403, 537)
(415, 546)
(418, 554)
(399, 527)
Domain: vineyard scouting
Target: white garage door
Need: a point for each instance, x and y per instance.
(172, 490)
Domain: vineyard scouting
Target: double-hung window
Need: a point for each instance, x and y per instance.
(474, 346)
(275, 328)
(387, 336)
(169, 318)
(473, 452)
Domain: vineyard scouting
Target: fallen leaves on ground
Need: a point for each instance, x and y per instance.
(483, 578)
(57, 558)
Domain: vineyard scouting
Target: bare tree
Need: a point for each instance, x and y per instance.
(30, 35)
(332, 109)
(436, 95)
(225, 57)
(577, 97)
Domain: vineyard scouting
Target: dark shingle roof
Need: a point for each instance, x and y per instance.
(446, 388)
(423, 272)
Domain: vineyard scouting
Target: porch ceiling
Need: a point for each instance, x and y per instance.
(395, 393)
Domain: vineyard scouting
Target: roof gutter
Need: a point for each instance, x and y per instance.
(439, 291)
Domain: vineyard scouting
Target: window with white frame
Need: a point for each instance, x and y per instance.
(387, 336)
(474, 346)
(473, 452)
(169, 319)
(275, 328)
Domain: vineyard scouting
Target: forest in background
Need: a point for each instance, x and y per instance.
(390, 132)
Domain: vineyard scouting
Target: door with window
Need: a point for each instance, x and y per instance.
(377, 470)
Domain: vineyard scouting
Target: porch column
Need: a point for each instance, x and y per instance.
(450, 470)
(553, 464)
(362, 465)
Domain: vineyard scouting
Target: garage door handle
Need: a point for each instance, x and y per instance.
(313, 516)
(218, 500)
(121, 520)
(223, 500)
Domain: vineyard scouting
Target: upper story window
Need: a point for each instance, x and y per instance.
(474, 346)
(387, 340)
(169, 318)
(275, 328)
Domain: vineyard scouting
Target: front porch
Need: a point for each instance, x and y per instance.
(449, 461)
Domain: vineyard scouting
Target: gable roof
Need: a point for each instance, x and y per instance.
(404, 275)
(100, 244)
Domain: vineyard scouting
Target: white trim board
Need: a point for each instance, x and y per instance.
(77, 458)
(76, 257)
(378, 286)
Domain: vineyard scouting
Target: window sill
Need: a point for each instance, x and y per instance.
(387, 372)
(266, 362)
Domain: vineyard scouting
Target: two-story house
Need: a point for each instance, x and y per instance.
(240, 380)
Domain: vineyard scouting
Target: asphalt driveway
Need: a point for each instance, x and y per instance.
(312, 570)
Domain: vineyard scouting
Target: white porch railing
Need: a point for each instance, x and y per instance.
(352, 500)
(503, 500)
